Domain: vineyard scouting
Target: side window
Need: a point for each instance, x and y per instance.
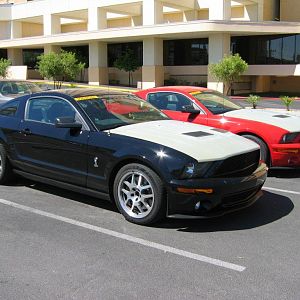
(169, 101)
(47, 109)
(10, 109)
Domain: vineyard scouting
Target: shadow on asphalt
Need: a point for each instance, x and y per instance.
(66, 194)
(269, 208)
(284, 173)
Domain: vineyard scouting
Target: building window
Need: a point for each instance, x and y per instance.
(268, 50)
(30, 57)
(81, 53)
(186, 52)
(116, 50)
(3, 53)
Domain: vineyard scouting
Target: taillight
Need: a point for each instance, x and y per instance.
(291, 138)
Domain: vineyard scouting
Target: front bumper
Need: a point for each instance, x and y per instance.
(286, 155)
(228, 194)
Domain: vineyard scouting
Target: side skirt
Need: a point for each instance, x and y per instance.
(64, 185)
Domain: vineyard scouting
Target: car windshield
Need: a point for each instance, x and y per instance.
(215, 102)
(115, 110)
(17, 88)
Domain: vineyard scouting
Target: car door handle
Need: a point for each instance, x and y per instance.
(26, 131)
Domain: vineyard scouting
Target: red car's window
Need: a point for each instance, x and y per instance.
(215, 102)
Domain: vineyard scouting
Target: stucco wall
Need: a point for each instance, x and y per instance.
(282, 84)
(4, 30)
(290, 10)
(270, 10)
(73, 27)
(115, 23)
(31, 29)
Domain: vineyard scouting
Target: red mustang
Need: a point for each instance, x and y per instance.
(278, 134)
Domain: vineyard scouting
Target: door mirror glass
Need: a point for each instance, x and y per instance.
(190, 109)
(67, 122)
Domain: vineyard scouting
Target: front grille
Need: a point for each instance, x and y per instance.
(239, 198)
(238, 166)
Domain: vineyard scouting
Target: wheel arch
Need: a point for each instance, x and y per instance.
(242, 133)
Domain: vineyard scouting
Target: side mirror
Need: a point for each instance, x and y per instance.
(67, 122)
(190, 109)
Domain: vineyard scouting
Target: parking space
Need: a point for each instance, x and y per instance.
(58, 244)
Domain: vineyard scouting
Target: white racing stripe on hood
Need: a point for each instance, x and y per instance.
(290, 123)
(172, 134)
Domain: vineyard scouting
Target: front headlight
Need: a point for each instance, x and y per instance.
(196, 170)
(290, 138)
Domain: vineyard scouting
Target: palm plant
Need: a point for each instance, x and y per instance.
(253, 100)
(287, 101)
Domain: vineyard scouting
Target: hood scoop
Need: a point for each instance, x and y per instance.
(281, 116)
(197, 133)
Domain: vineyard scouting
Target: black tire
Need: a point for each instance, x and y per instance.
(264, 150)
(6, 173)
(139, 194)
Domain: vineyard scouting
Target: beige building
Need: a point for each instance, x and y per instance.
(173, 40)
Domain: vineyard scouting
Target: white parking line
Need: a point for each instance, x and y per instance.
(279, 190)
(129, 238)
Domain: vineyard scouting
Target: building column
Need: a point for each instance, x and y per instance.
(97, 18)
(51, 48)
(152, 12)
(153, 69)
(15, 29)
(220, 10)
(219, 46)
(15, 55)
(51, 24)
(98, 70)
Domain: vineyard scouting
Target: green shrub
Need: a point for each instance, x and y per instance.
(253, 100)
(4, 64)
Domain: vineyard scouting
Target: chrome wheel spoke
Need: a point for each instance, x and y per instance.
(145, 204)
(128, 184)
(126, 192)
(145, 187)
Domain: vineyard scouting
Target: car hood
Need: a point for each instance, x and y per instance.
(203, 143)
(283, 120)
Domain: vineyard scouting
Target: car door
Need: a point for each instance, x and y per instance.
(48, 151)
(172, 104)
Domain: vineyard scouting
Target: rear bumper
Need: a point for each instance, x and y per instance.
(286, 155)
(228, 194)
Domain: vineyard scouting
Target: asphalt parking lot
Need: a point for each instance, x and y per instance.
(61, 245)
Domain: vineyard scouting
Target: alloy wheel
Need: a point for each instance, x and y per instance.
(136, 195)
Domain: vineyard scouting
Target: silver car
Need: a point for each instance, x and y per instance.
(10, 89)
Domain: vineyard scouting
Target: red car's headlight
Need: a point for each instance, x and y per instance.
(291, 138)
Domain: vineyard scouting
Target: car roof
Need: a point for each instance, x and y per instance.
(180, 88)
(82, 92)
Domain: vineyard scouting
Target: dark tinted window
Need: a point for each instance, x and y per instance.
(186, 52)
(9, 109)
(81, 53)
(274, 49)
(30, 57)
(116, 50)
(3, 53)
(47, 109)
